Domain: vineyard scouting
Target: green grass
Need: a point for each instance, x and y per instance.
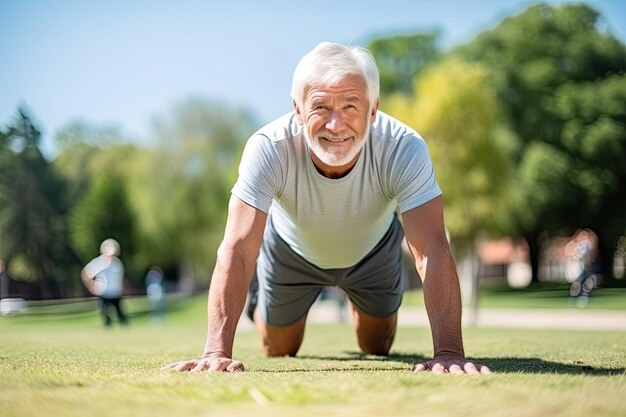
(73, 367)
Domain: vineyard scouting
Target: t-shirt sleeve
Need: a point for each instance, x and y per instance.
(260, 174)
(411, 174)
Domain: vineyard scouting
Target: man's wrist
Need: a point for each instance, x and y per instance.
(208, 354)
(449, 353)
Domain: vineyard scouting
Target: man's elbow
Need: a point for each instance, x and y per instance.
(84, 275)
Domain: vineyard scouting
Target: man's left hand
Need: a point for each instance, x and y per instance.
(453, 366)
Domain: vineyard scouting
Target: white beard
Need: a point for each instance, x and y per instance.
(335, 157)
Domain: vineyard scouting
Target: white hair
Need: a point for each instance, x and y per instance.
(329, 63)
(110, 247)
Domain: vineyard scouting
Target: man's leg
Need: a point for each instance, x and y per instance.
(375, 287)
(117, 303)
(374, 334)
(280, 341)
(282, 291)
(105, 306)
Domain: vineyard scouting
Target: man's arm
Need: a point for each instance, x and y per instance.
(89, 272)
(425, 234)
(88, 281)
(236, 260)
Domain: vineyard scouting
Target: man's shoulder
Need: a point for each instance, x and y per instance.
(389, 133)
(388, 128)
(284, 127)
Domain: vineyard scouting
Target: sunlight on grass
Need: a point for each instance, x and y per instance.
(76, 368)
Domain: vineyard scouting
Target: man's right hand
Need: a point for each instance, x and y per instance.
(209, 364)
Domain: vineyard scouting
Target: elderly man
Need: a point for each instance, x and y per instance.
(315, 205)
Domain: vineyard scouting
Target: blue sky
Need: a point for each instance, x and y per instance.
(123, 63)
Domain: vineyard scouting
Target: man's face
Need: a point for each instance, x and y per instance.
(336, 121)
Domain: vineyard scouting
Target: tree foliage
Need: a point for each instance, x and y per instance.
(102, 213)
(32, 229)
(95, 164)
(401, 58)
(560, 79)
(83, 154)
(533, 54)
(180, 192)
(455, 108)
(165, 204)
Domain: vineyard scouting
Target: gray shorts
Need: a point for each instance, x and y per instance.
(288, 284)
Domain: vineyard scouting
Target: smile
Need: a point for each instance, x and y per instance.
(335, 140)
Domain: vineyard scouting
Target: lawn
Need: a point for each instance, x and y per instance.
(67, 365)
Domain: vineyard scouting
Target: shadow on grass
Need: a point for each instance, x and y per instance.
(499, 365)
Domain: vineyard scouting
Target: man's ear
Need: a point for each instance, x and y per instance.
(374, 111)
(298, 113)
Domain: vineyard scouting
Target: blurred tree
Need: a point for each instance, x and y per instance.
(593, 140)
(401, 58)
(455, 108)
(102, 213)
(532, 54)
(552, 68)
(32, 232)
(180, 193)
(96, 164)
(79, 144)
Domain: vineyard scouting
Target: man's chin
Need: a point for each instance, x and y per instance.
(334, 160)
(336, 154)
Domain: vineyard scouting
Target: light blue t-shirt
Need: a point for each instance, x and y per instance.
(334, 223)
(108, 271)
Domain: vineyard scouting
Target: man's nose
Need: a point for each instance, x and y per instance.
(335, 122)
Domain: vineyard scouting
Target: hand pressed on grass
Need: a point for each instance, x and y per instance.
(209, 364)
(453, 366)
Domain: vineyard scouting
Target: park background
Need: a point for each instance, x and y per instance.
(127, 119)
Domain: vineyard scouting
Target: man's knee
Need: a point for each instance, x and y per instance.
(283, 349)
(280, 341)
(374, 334)
(378, 347)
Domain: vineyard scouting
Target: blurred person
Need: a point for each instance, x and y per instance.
(315, 205)
(582, 249)
(104, 277)
(156, 294)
